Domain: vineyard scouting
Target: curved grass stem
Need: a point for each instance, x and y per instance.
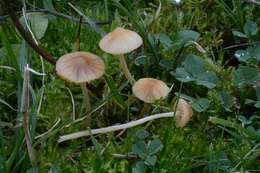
(114, 128)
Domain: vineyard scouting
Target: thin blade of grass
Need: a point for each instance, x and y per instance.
(10, 54)
(2, 152)
(91, 23)
(233, 125)
(115, 93)
(138, 23)
(99, 160)
(7, 104)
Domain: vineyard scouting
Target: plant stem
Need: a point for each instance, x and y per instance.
(86, 101)
(25, 111)
(77, 42)
(144, 110)
(126, 72)
(114, 128)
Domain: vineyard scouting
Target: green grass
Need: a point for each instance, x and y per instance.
(224, 144)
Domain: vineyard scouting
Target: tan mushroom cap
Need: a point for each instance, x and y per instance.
(183, 113)
(120, 41)
(149, 90)
(80, 67)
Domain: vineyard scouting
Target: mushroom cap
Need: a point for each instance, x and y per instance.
(183, 113)
(80, 67)
(120, 41)
(149, 90)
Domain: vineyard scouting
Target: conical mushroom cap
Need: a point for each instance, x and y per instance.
(80, 67)
(120, 41)
(183, 113)
(149, 90)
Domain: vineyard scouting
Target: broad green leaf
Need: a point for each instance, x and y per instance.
(151, 160)
(254, 52)
(185, 36)
(139, 167)
(253, 130)
(239, 34)
(184, 96)
(200, 105)
(194, 65)
(182, 75)
(142, 134)
(208, 79)
(38, 23)
(164, 40)
(245, 75)
(32, 170)
(194, 70)
(257, 104)
(250, 28)
(226, 100)
(257, 92)
(242, 55)
(154, 147)
(249, 101)
(166, 64)
(139, 148)
(244, 120)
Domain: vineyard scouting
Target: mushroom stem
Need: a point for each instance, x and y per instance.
(86, 101)
(125, 69)
(144, 110)
(114, 128)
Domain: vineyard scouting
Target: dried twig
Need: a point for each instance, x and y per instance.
(114, 128)
(25, 112)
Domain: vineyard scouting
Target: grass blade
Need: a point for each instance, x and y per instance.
(112, 86)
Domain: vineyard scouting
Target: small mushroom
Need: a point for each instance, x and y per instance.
(80, 68)
(119, 42)
(149, 90)
(183, 113)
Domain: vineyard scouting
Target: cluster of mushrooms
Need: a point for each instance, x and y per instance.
(83, 67)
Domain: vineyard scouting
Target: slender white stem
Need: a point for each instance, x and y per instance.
(125, 69)
(86, 99)
(114, 128)
(50, 130)
(86, 102)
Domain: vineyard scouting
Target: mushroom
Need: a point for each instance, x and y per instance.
(183, 113)
(149, 90)
(80, 68)
(119, 42)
